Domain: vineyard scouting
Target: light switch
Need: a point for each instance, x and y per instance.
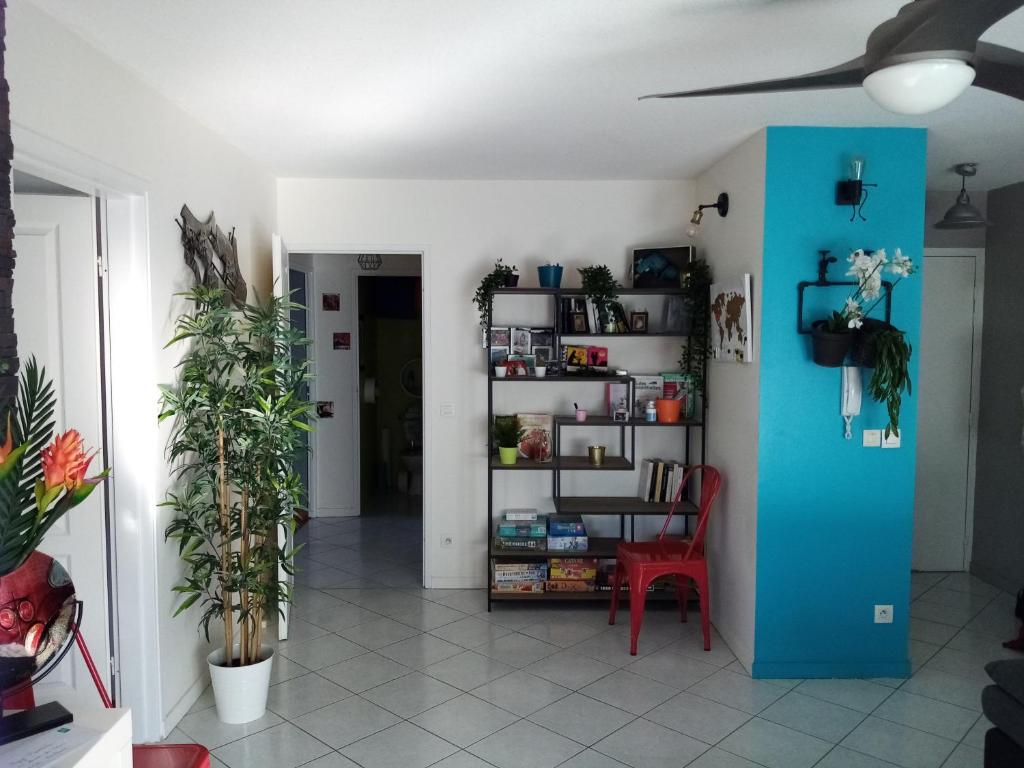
(872, 438)
(892, 441)
(448, 409)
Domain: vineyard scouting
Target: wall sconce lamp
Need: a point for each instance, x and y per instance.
(963, 215)
(721, 204)
(853, 190)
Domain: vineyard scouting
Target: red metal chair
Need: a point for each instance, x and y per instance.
(642, 562)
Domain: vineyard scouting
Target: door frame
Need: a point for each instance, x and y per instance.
(132, 430)
(978, 254)
(350, 250)
(311, 491)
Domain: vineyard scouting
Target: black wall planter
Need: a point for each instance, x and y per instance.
(829, 349)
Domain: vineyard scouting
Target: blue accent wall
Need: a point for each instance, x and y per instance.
(835, 519)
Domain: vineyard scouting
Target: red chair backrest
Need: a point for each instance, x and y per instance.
(710, 484)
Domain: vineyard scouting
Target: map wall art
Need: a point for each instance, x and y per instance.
(730, 321)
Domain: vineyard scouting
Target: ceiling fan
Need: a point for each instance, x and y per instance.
(916, 62)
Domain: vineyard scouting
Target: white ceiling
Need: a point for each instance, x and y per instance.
(519, 88)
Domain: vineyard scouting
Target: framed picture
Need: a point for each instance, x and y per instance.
(528, 362)
(342, 340)
(500, 337)
(730, 321)
(579, 322)
(516, 367)
(520, 344)
(544, 354)
(660, 267)
(575, 356)
(499, 355)
(543, 337)
(638, 322)
(325, 409)
(331, 302)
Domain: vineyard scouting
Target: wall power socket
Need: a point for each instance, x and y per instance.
(883, 614)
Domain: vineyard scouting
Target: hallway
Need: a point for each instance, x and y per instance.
(380, 673)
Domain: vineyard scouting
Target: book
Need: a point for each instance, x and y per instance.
(575, 357)
(536, 443)
(672, 384)
(645, 389)
(557, 585)
(513, 529)
(616, 397)
(597, 357)
(566, 525)
(572, 568)
(518, 542)
(568, 543)
(645, 479)
(515, 567)
(656, 486)
(517, 515)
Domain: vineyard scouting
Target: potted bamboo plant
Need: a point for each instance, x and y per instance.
(237, 413)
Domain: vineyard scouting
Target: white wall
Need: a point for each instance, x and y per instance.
(66, 91)
(462, 227)
(733, 246)
(335, 442)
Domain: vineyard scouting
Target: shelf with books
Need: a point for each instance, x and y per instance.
(619, 505)
(600, 547)
(611, 463)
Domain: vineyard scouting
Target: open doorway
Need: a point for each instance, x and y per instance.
(391, 395)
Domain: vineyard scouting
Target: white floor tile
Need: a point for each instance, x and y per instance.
(461, 759)
(590, 758)
(965, 582)
(930, 715)
(931, 632)
(700, 718)
(630, 692)
(401, 746)
(906, 747)
(827, 721)
(322, 652)
(204, 728)
(378, 633)
(941, 614)
(976, 736)
(468, 670)
(861, 695)
(581, 719)
(346, 721)
(643, 744)
(517, 650)
(420, 651)
(470, 632)
(962, 691)
(332, 760)
(613, 648)
(408, 696)
(671, 668)
(570, 669)
(841, 757)
(283, 746)
(525, 745)
(365, 672)
(300, 695)
(738, 691)
(561, 632)
(521, 693)
(719, 758)
(775, 746)
(965, 757)
(282, 669)
(464, 720)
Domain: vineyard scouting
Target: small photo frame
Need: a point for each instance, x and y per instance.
(499, 355)
(331, 302)
(579, 322)
(544, 354)
(620, 415)
(325, 409)
(520, 344)
(638, 322)
(527, 362)
(500, 337)
(341, 340)
(541, 337)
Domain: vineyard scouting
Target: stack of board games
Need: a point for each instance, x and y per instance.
(519, 577)
(567, 533)
(571, 574)
(521, 530)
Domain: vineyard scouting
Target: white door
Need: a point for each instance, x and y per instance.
(56, 315)
(944, 391)
(284, 535)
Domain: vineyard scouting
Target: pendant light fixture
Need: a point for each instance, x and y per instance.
(963, 215)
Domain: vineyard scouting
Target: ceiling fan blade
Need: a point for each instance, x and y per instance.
(844, 76)
(999, 69)
(937, 27)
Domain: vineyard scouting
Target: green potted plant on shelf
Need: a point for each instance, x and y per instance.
(502, 276)
(238, 410)
(602, 288)
(507, 434)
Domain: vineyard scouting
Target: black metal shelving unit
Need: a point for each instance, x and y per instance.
(624, 507)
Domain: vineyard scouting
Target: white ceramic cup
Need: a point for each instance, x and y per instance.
(500, 371)
(541, 371)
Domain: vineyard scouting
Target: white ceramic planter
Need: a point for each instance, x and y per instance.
(240, 692)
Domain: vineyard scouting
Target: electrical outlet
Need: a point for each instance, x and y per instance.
(448, 409)
(872, 438)
(883, 614)
(892, 441)
(447, 542)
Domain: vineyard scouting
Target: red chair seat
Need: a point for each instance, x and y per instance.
(170, 756)
(640, 563)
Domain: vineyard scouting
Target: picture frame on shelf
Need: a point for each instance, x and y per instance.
(499, 355)
(543, 337)
(660, 267)
(545, 354)
(520, 341)
(528, 363)
(579, 322)
(501, 337)
(638, 322)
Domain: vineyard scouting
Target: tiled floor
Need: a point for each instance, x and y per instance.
(379, 673)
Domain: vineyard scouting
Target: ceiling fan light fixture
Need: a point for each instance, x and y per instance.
(918, 87)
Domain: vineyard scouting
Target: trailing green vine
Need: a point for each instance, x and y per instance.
(892, 375)
(498, 277)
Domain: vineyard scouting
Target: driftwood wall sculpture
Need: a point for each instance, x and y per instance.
(8, 339)
(211, 255)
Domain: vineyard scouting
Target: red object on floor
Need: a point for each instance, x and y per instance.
(642, 562)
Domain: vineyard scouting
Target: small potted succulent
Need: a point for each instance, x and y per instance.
(550, 275)
(507, 434)
(601, 286)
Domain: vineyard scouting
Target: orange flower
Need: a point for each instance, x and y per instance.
(65, 462)
(8, 446)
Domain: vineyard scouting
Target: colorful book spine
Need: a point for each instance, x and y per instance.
(518, 543)
(519, 586)
(572, 568)
(529, 530)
